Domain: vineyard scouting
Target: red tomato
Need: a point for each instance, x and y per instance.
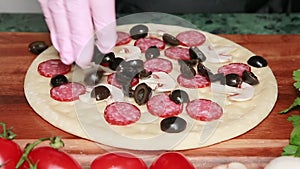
(10, 153)
(171, 160)
(118, 160)
(50, 158)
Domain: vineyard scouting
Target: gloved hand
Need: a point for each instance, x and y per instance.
(72, 24)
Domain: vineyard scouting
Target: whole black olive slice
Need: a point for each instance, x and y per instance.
(115, 63)
(170, 39)
(58, 80)
(142, 93)
(37, 47)
(187, 71)
(173, 124)
(107, 59)
(250, 78)
(92, 78)
(138, 31)
(179, 96)
(195, 53)
(203, 70)
(257, 61)
(100, 93)
(152, 52)
(232, 79)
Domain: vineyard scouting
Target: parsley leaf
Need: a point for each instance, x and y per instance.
(293, 148)
(294, 104)
(296, 75)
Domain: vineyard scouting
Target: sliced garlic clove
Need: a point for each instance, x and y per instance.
(165, 82)
(225, 89)
(247, 93)
(127, 52)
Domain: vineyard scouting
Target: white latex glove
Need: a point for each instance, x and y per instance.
(72, 24)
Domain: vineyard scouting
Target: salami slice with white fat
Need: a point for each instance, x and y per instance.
(145, 43)
(162, 106)
(158, 65)
(236, 68)
(177, 53)
(198, 81)
(204, 110)
(123, 38)
(67, 92)
(191, 38)
(53, 67)
(121, 113)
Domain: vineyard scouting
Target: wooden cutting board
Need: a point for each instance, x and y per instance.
(255, 147)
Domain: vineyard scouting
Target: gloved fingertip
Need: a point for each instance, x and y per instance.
(67, 58)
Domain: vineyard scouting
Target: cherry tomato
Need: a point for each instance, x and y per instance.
(172, 160)
(10, 153)
(50, 158)
(118, 160)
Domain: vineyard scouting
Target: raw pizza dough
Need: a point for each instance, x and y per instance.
(86, 119)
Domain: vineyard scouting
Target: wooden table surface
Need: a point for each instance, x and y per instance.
(255, 147)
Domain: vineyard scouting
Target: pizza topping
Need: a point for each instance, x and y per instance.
(58, 80)
(232, 79)
(152, 52)
(100, 93)
(116, 62)
(179, 96)
(158, 65)
(250, 78)
(198, 81)
(177, 53)
(142, 94)
(53, 67)
(191, 38)
(236, 68)
(121, 113)
(93, 77)
(192, 62)
(127, 52)
(139, 31)
(67, 92)
(187, 71)
(145, 43)
(170, 39)
(107, 59)
(173, 124)
(245, 94)
(37, 47)
(204, 110)
(161, 106)
(123, 38)
(195, 53)
(257, 61)
(164, 82)
(203, 70)
(111, 79)
(215, 55)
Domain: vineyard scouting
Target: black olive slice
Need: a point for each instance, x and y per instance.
(142, 93)
(250, 78)
(145, 74)
(100, 93)
(58, 80)
(179, 96)
(107, 59)
(37, 47)
(170, 39)
(257, 61)
(115, 63)
(203, 70)
(195, 53)
(216, 77)
(136, 64)
(152, 52)
(138, 31)
(192, 62)
(187, 71)
(93, 78)
(173, 124)
(232, 79)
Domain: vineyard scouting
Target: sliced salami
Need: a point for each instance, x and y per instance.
(162, 106)
(158, 65)
(236, 68)
(191, 38)
(67, 92)
(111, 79)
(123, 38)
(53, 67)
(204, 110)
(121, 113)
(145, 43)
(177, 53)
(198, 81)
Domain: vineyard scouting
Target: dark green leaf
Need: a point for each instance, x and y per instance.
(296, 75)
(290, 150)
(294, 104)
